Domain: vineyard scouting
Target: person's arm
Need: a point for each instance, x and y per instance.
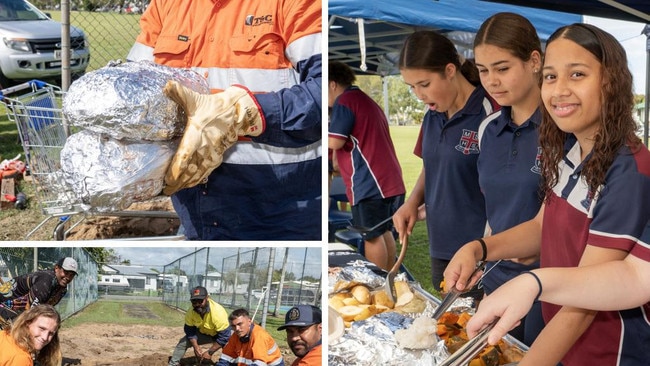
(191, 332)
(150, 25)
(606, 286)
(293, 115)
(559, 334)
(228, 353)
(342, 121)
(519, 241)
(406, 216)
(335, 143)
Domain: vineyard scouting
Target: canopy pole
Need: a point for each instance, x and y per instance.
(384, 84)
(646, 31)
(362, 44)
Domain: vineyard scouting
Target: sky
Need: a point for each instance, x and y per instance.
(629, 35)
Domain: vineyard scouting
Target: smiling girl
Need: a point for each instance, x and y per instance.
(596, 176)
(508, 55)
(32, 336)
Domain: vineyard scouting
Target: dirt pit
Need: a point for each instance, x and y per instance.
(133, 345)
(144, 225)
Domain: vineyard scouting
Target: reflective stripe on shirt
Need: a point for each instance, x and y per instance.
(252, 153)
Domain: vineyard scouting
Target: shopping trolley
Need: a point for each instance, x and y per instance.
(43, 131)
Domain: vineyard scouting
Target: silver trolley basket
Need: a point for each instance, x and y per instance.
(43, 132)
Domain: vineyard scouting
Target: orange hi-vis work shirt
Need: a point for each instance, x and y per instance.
(272, 47)
(260, 350)
(11, 354)
(253, 43)
(313, 358)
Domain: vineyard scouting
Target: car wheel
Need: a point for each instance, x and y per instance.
(4, 82)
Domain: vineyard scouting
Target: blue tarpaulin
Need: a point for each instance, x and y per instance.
(387, 22)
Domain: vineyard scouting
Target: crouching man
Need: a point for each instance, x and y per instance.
(250, 344)
(206, 322)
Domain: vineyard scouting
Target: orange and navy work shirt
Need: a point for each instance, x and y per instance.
(250, 42)
(272, 47)
(313, 358)
(260, 350)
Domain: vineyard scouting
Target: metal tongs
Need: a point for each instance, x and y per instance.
(469, 350)
(454, 293)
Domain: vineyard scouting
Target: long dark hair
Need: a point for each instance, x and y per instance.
(616, 125)
(428, 50)
(511, 32)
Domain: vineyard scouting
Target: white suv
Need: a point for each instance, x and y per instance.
(30, 45)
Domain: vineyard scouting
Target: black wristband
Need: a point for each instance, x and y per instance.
(539, 284)
(211, 352)
(484, 247)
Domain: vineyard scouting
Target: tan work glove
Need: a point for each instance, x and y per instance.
(214, 122)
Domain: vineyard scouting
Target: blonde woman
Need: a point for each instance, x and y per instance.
(33, 336)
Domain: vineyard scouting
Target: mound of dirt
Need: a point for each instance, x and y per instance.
(132, 345)
(144, 223)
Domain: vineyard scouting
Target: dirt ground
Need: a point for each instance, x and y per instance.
(106, 227)
(132, 345)
(15, 224)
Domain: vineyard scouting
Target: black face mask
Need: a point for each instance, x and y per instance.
(247, 337)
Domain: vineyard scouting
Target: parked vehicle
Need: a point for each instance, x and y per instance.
(31, 45)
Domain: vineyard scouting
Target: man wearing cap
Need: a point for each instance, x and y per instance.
(304, 334)
(250, 345)
(40, 287)
(205, 322)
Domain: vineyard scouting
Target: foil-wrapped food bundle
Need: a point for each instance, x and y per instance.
(127, 132)
(125, 101)
(109, 175)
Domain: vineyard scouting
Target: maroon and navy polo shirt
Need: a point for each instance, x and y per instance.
(616, 218)
(367, 162)
(449, 149)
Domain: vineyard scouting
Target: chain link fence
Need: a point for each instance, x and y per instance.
(110, 26)
(111, 33)
(82, 291)
(261, 280)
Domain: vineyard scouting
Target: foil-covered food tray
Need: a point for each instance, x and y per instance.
(403, 335)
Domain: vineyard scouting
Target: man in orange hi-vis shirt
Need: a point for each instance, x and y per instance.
(250, 344)
(249, 164)
(304, 334)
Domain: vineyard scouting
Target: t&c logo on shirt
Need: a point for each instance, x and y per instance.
(253, 21)
(468, 143)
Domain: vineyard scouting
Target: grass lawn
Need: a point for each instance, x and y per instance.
(9, 145)
(110, 312)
